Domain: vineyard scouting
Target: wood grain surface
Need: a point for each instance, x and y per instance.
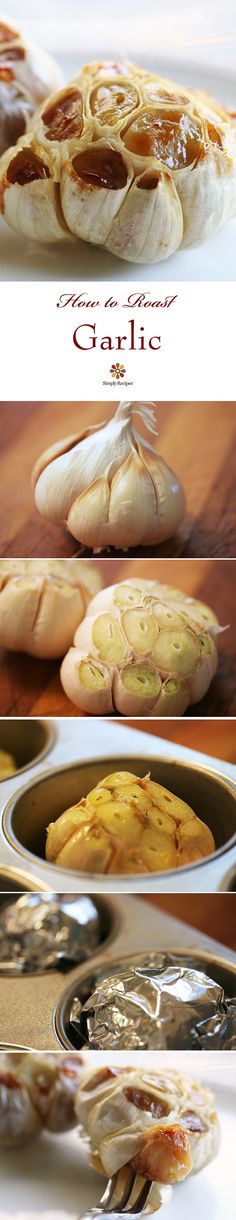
(196, 439)
(215, 737)
(213, 914)
(32, 687)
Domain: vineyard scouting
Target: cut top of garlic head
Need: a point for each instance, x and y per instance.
(125, 159)
(128, 825)
(27, 76)
(143, 648)
(42, 601)
(109, 485)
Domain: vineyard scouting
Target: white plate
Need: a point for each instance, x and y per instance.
(53, 1173)
(21, 260)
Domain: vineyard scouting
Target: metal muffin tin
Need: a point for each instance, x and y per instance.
(34, 1008)
(26, 810)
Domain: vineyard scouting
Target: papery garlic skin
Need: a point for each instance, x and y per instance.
(128, 825)
(109, 485)
(27, 76)
(127, 160)
(143, 648)
(42, 602)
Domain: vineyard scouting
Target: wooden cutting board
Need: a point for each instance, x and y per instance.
(31, 687)
(196, 439)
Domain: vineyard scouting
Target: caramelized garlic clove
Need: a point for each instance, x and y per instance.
(29, 195)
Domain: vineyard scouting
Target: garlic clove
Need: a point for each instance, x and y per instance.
(94, 183)
(200, 681)
(205, 197)
(29, 195)
(177, 651)
(56, 450)
(136, 689)
(193, 842)
(132, 509)
(87, 683)
(173, 699)
(92, 506)
(169, 494)
(149, 226)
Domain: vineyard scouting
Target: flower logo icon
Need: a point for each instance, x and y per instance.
(117, 371)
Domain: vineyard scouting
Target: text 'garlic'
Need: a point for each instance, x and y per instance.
(41, 603)
(109, 485)
(143, 648)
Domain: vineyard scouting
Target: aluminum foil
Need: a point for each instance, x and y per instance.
(46, 932)
(157, 1001)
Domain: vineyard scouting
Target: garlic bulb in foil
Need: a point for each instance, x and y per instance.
(27, 75)
(143, 648)
(109, 485)
(128, 825)
(124, 159)
(41, 603)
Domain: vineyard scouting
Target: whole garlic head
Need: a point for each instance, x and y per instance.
(128, 825)
(126, 160)
(42, 602)
(27, 76)
(143, 648)
(109, 485)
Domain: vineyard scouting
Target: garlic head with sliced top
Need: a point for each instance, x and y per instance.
(143, 648)
(109, 485)
(42, 602)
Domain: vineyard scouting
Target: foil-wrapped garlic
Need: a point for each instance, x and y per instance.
(41, 603)
(7, 764)
(27, 76)
(109, 485)
(128, 825)
(158, 1001)
(126, 160)
(143, 648)
(37, 1091)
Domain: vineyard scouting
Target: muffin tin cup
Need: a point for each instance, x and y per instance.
(27, 740)
(29, 810)
(108, 930)
(216, 967)
(15, 881)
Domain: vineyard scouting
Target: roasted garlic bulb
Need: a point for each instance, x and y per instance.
(7, 764)
(128, 825)
(27, 76)
(162, 1124)
(123, 159)
(109, 485)
(37, 1090)
(42, 602)
(143, 648)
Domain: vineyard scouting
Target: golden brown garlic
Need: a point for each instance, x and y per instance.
(131, 162)
(128, 825)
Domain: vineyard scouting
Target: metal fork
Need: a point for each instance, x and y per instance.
(104, 1209)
